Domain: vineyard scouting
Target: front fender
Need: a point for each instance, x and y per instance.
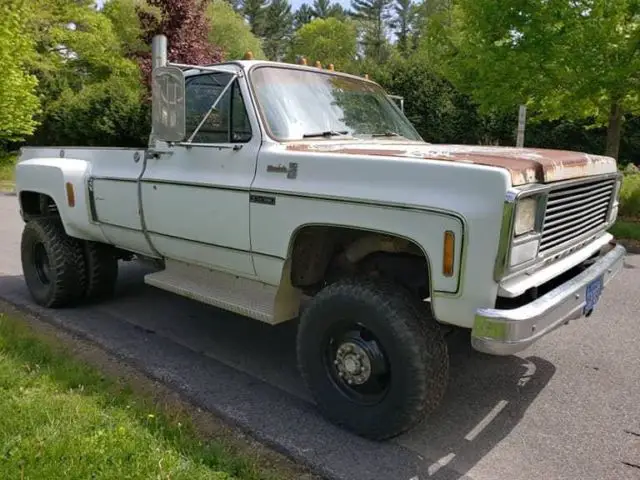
(49, 176)
(273, 232)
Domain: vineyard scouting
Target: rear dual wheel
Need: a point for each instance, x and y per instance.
(60, 270)
(102, 270)
(372, 357)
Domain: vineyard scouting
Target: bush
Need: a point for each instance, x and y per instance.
(7, 168)
(112, 113)
(630, 196)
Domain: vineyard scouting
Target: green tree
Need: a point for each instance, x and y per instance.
(255, 12)
(326, 9)
(123, 15)
(18, 101)
(302, 16)
(403, 23)
(327, 40)
(374, 16)
(111, 113)
(278, 27)
(236, 5)
(574, 60)
(230, 32)
(437, 110)
(76, 45)
(82, 70)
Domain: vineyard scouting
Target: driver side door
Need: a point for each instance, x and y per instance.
(196, 200)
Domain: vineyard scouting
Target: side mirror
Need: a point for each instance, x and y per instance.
(168, 104)
(399, 101)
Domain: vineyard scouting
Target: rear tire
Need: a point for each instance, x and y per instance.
(52, 263)
(374, 334)
(102, 270)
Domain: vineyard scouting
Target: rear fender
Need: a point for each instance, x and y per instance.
(51, 177)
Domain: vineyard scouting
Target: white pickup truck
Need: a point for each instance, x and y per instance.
(285, 192)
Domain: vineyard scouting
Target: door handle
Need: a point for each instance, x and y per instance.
(291, 170)
(153, 153)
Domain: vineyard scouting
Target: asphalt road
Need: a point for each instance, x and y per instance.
(567, 408)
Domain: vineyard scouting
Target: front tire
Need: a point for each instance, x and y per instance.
(373, 359)
(52, 263)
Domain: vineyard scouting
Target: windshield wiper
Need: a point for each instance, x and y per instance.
(327, 133)
(386, 134)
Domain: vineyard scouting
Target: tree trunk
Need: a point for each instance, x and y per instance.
(614, 129)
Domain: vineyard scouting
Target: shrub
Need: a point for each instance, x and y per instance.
(630, 196)
(106, 114)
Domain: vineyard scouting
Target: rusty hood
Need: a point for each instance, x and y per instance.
(525, 165)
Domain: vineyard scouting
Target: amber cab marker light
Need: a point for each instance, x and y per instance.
(448, 253)
(71, 195)
(248, 55)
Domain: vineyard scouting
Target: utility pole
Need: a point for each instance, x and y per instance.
(522, 119)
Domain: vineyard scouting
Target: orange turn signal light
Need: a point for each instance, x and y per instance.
(71, 194)
(448, 254)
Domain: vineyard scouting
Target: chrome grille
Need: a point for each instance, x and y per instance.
(574, 211)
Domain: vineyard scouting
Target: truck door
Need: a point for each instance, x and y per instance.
(196, 199)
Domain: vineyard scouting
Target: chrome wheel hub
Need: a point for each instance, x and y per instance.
(353, 363)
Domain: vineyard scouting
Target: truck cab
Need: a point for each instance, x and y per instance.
(293, 193)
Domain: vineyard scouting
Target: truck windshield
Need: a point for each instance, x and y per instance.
(299, 104)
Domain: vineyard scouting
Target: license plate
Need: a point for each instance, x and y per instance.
(592, 295)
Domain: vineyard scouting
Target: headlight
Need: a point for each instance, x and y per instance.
(524, 251)
(525, 220)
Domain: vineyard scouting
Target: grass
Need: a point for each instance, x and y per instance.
(626, 229)
(60, 418)
(7, 170)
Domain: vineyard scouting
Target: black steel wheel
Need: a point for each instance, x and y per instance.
(52, 264)
(356, 362)
(372, 357)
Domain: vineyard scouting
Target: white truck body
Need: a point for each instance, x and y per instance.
(224, 217)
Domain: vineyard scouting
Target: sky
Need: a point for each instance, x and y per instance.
(294, 3)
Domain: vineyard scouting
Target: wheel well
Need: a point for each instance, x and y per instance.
(34, 204)
(38, 205)
(322, 254)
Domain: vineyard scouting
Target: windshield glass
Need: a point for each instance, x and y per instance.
(297, 104)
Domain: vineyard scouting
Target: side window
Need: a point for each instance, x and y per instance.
(240, 126)
(228, 122)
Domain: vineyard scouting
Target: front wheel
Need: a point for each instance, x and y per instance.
(372, 358)
(52, 263)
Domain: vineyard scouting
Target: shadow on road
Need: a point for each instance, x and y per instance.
(486, 399)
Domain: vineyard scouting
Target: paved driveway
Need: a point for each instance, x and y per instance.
(567, 408)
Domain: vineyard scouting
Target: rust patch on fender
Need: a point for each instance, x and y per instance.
(525, 165)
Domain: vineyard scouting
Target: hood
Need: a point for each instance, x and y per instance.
(525, 165)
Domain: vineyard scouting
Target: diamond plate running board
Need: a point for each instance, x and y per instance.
(230, 292)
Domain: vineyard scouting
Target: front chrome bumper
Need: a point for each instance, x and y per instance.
(505, 332)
